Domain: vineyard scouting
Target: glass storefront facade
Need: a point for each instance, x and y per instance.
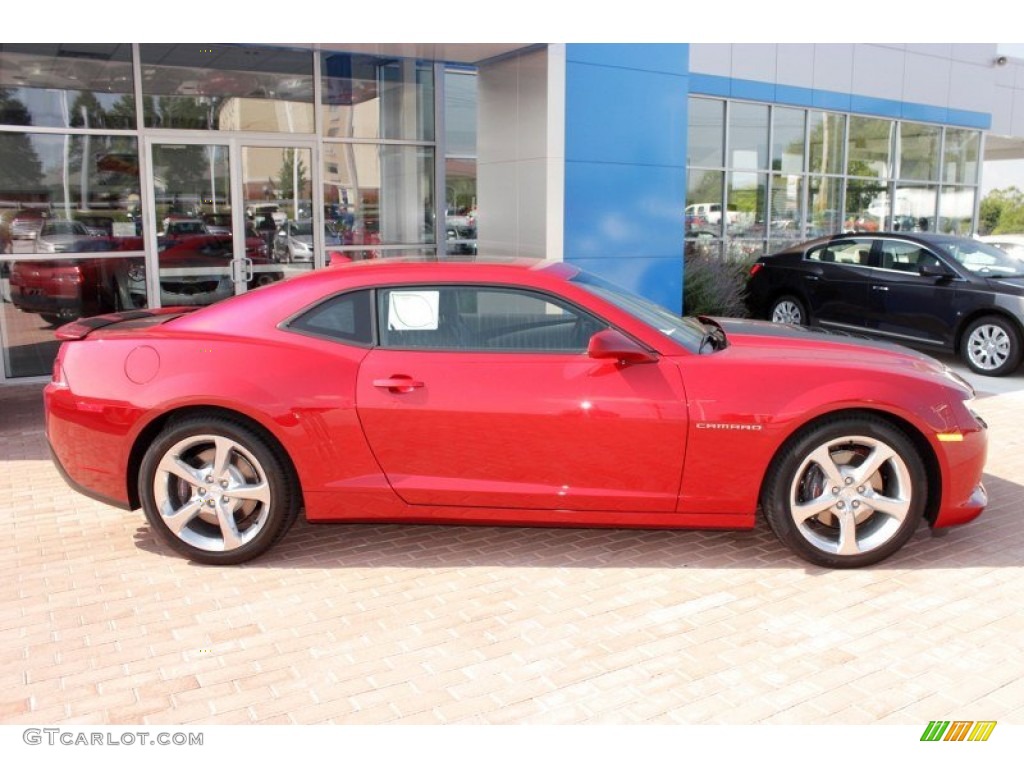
(761, 176)
(155, 174)
(204, 171)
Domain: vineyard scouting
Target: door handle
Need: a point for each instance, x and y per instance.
(811, 277)
(879, 287)
(398, 384)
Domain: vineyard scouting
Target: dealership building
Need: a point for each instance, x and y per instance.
(147, 175)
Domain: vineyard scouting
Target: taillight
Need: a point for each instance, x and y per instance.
(755, 268)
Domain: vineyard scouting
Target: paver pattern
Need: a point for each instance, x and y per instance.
(102, 624)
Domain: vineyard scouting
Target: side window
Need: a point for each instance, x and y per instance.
(346, 317)
(481, 318)
(848, 252)
(905, 257)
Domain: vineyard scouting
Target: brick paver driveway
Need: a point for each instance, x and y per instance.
(383, 624)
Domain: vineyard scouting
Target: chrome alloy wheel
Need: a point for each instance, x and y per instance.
(850, 495)
(989, 346)
(787, 311)
(211, 493)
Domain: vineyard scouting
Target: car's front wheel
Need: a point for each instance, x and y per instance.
(216, 491)
(846, 492)
(788, 309)
(991, 346)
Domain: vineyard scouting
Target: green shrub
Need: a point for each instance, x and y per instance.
(713, 285)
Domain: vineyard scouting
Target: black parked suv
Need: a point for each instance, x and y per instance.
(935, 292)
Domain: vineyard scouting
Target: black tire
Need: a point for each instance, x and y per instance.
(823, 469)
(991, 346)
(231, 486)
(788, 309)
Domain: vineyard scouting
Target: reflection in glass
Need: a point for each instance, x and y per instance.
(39, 295)
(956, 210)
(913, 208)
(705, 140)
(460, 113)
(826, 141)
(460, 206)
(67, 85)
(84, 189)
(704, 193)
(748, 136)
(747, 194)
(336, 256)
(867, 205)
(788, 140)
(380, 193)
(960, 163)
(919, 151)
(869, 147)
(278, 188)
(823, 213)
(367, 97)
(227, 87)
(786, 206)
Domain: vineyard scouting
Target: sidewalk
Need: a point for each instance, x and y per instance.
(426, 624)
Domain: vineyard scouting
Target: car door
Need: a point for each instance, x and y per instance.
(485, 396)
(835, 278)
(907, 305)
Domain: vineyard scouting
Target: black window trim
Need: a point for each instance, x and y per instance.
(546, 295)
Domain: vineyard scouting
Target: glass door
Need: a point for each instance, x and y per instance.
(277, 186)
(191, 258)
(207, 245)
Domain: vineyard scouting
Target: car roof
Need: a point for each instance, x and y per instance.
(924, 238)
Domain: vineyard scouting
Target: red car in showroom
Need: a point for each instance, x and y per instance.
(519, 393)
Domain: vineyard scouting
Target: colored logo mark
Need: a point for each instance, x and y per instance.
(958, 730)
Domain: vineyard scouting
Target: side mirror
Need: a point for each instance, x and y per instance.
(610, 344)
(937, 270)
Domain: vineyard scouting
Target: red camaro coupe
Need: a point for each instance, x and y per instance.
(517, 393)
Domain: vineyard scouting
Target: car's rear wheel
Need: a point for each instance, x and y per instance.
(788, 309)
(846, 492)
(991, 346)
(216, 491)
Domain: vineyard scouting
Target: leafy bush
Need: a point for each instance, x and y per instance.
(713, 285)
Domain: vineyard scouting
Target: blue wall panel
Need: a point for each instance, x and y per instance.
(729, 87)
(625, 170)
(658, 278)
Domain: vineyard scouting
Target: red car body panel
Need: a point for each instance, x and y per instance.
(535, 439)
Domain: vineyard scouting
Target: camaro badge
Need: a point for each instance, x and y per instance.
(729, 427)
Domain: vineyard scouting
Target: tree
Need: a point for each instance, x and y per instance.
(21, 170)
(292, 175)
(1002, 211)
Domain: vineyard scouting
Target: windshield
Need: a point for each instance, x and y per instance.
(685, 330)
(984, 259)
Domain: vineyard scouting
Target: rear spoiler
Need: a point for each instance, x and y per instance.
(79, 329)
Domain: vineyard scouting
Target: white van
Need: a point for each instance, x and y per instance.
(710, 213)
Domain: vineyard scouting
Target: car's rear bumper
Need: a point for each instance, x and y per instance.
(86, 440)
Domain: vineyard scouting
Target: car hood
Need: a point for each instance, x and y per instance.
(799, 343)
(1011, 285)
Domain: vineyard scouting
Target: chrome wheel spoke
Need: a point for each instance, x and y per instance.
(848, 544)
(183, 515)
(222, 457)
(823, 458)
(258, 492)
(228, 527)
(878, 457)
(173, 465)
(895, 508)
(806, 510)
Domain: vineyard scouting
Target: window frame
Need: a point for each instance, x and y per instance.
(380, 308)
